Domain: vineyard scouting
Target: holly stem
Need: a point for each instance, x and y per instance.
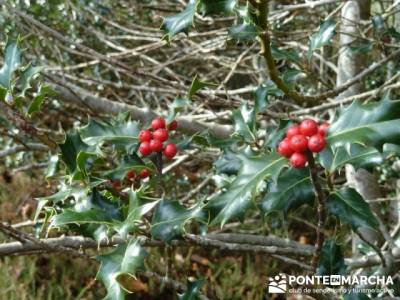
(320, 210)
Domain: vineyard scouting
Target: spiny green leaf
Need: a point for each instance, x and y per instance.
(120, 133)
(322, 37)
(261, 97)
(290, 55)
(208, 7)
(197, 85)
(234, 202)
(138, 207)
(350, 208)
(331, 260)
(123, 262)
(276, 134)
(43, 92)
(170, 218)
(126, 164)
(228, 163)
(192, 290)
(245, 122)
(181, 22)
(371, 125)
(27, 74)
(12, 61)
(292, 189)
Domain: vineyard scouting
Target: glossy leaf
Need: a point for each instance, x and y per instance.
(123, 262)
(170, 218)
(192, 290)
(43, 92)
(292, 189)
(228, 163)
(371, 125)
(349, 206)
(27, 75)
(245, 122)
(209, 7)
(322, 37)
(197, 85)
(234, 202)
(12, 61)
(331, 260)
(181, 22)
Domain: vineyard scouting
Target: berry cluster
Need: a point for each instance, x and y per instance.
(151, 140)
(307, 136)
(131, 177)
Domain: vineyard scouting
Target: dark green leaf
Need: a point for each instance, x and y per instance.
(275, 135)
(379, 24)
(12, 61)
(197, 85)
(234, 202)
(261, 98)
(170, 218)
(208, 7)
(372, 125)
(27, 75)
(193, 289)
(331, 260)
(290, 55)
(43, 92)
(245, 122)
(228, 163)
(181, 22)
(292, 189)
(123, 262)
(350, 208)
(322, 37)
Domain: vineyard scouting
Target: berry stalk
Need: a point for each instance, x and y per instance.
(320, 210)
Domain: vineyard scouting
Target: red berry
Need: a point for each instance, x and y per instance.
(298, 160)
(131, 174)
(170, 151)
(298, 143)
(161, 135)
(316, 143)
(158, 123)
(156, 145)
(323, 128)
(292, 131)
(173, 125)
(308, 127)
(145, 148)
(116, 184)
(144, 173)
(284, 148)
(145, 136)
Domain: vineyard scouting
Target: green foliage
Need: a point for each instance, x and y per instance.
(119, 265)
(193, 289)
(249, 183)
(209, 7)
(170, 218)
(181, 22)
(245, 32)
(292, 189)
(197, 85)
(349, 206)
(322, 37)
(331, 260)
(245, 122)
(43, 92)
(12, 61)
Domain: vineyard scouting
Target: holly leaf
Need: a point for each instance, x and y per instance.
(126, 164)
(197, 85)
(72, 146)
(228, 163)
(290, 55)
(119, 266)
(170, 218)
(331, 260)
(356, 155)
(234, 202)
(349, 206)
(43, 92)
(292, 189)
(192, 290)
(371, 125)
(209, 7)
(181, 22)
(276, 134)
(137, 208)
(27, 74)
(120, 133)
(322, 37)
(12, 61)
(245, 122)
(245, 32)
(261, 97)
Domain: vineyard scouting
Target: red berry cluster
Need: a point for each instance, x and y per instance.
(151, 140)
(307, 136)
(131, 177)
